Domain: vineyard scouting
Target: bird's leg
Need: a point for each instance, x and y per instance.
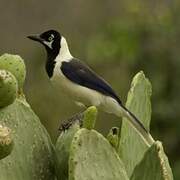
(78, 117)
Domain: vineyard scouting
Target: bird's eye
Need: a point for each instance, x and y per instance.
(51, 37)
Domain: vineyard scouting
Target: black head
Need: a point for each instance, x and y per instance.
(51, 41)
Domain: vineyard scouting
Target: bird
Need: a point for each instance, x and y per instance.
(84, 86)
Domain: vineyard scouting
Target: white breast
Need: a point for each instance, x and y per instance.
(75, 91)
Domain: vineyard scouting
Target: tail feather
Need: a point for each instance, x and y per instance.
(138, 126)
(115, 107)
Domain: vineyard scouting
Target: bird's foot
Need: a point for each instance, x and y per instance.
(66, 124)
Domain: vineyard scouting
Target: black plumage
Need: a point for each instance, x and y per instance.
(81, 74)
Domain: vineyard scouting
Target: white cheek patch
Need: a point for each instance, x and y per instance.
(49, 44)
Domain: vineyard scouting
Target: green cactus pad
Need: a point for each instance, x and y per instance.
(92, 157)
(132, 147)
(8, 88)
(90, 118)
(14, 64)
(6, 142)
(32, 154)
(62, 151)
(113, 137)
(154, 165)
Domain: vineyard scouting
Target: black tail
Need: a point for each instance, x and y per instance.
(138, 126)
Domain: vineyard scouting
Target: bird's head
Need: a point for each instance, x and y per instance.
(50, 39)
(55, 45)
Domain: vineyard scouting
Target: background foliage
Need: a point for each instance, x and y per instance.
(117, 39)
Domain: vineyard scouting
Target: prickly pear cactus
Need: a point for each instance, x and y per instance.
(81, 153)
(6, 142)
(88, 154)
(113, 137)
(63, 150)
(90, 118)
(92, 157)
(64, 141)
(138, 102)
(32, 154)
(154, 165)
(14, 64)
(8, 88)
(142, 162)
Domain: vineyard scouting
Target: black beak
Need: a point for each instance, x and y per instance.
(35, 38)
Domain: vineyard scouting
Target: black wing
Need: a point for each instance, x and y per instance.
(81, 74)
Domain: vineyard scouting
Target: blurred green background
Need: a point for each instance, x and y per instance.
(117, 39)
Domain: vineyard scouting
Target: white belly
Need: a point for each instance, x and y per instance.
(76, 92)
(84, 95)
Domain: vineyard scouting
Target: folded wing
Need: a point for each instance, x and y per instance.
(81, 74)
